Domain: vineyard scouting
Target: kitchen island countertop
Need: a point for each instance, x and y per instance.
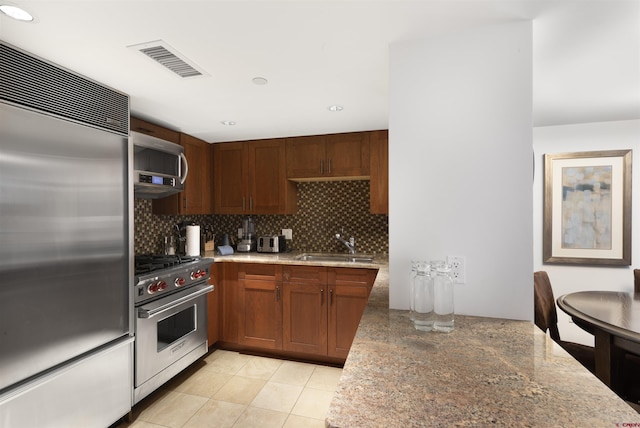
(487, 372)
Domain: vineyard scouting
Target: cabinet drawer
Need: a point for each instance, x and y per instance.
(351, 276)
(305, 274)
(260, 272)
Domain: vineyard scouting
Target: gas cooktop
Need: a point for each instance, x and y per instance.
(151, 262)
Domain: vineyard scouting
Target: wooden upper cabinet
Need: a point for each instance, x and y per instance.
(348, 155)
(196, 197)
(379, 172)
(231, 176)
(148, 128)
(333, 156)
(250, 178)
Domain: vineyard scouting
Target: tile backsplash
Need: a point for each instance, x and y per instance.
(324, 209)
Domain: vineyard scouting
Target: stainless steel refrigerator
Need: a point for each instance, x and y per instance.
(65, 255)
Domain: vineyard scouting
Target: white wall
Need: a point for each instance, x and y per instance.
(566, 279)
(460, 159)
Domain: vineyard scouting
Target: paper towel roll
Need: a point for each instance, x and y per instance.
(193, 240)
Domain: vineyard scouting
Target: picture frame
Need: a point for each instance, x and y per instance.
(587, 208)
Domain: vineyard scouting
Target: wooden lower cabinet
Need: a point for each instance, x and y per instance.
(307, 312)
(322, 308)
(305, 318)
(260, 305)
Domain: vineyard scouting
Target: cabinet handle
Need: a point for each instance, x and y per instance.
(277, 294)
(251, 203)
(330, 297)
(321, 167)
(329, 166)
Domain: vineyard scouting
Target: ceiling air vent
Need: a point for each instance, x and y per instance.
(165, 55)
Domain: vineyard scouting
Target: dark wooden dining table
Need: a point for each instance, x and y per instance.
(614, 320)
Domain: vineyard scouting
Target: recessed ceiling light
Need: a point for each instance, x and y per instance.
(335, 107)
(16, 13)
(259, 81)
(228, 122)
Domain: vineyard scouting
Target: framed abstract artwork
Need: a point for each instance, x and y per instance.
(587, 208)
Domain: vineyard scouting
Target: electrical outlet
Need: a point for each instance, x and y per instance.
(288, 233)
(457, 268)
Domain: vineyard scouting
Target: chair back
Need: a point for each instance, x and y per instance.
(636, 280)
(545, 314)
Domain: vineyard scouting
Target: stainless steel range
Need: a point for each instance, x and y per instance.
(171, 317)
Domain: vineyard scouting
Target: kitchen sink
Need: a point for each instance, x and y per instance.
(331, 257)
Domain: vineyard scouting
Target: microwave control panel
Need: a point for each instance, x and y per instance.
(154, 179)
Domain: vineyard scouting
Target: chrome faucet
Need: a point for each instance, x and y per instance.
(350, 244)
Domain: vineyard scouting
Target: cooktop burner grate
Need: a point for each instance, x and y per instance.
(150, 262)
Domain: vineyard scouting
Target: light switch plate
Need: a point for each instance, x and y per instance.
(288, 233)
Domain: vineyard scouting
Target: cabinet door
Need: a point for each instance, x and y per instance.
(231, 171)
(260, 305)
(349, 291)
(347, 155)
(305, 309)
(305, 318)
(269, 190)
(196, 197)
(306, 157)
(379, 172)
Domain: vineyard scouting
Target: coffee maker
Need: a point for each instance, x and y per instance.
(248, 242)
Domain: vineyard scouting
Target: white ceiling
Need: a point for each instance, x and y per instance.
(319, 53)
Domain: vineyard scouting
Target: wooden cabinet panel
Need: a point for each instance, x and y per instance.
(269, 190)
(260, 305)
(305, 318)
(213, 306)
(348, 155)
(154, 130)
(230, 178)
(230, 303)
(334, 156)
(261, 314)
(348, 296)
(196, 198)
(250, 178)
(379, 172)
(306, 156)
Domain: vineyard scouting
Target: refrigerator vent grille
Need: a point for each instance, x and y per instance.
(31, 82)
(170, 58)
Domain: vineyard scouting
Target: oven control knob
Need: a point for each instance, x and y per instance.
(198, 274)
(180, 282)
(152, 288)
(162, 285)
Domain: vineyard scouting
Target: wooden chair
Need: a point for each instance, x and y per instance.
(636, 280)
(546, 318)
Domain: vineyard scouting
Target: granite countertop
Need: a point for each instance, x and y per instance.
(487, 372)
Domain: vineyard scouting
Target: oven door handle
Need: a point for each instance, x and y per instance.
(150, 313)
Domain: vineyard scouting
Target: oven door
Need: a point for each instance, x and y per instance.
(168, 329)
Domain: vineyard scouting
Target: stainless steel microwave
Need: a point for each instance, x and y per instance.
(159, 167)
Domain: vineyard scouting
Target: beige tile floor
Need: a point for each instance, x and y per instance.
(228, 389)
